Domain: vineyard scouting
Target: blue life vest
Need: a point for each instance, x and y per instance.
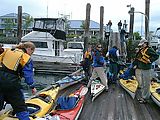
(112, 55)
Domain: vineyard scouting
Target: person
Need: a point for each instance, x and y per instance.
(109, 24)
(119, 25)
(87, 61)
(1, 49)
(144, 59)
(16, 63)
(113, 55)
(125, 25)
(98, 67)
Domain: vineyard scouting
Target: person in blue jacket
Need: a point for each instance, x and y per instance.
(98, 67)
(113, 55)
(15, 64)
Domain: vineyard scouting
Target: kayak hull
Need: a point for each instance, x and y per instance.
(40, 104)
(71, 114)
(96, 89)
(154, 95)
(130, 86)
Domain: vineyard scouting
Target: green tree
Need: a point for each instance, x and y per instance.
(137, 36)
(28, 22)
(9, 25)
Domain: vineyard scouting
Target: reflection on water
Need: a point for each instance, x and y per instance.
(42, 81)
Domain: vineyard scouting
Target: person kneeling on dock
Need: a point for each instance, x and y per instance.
(98, 67)
(16, 63)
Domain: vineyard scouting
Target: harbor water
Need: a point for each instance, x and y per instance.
(42, 81)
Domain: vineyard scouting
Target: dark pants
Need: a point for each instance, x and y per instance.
(113, 69)
(10, 89)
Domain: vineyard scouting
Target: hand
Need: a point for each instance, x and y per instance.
(34, 90)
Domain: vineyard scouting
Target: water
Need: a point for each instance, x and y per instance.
(42, 81)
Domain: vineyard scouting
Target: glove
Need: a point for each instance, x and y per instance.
(34, 90)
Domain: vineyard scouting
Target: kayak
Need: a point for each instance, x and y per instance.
(155, 92)
(96, 89)
(38, 105)
(68, 107)
(71, 79)
(130, 86)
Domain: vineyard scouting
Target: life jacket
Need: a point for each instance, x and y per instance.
(144, 57)
(13, 58)
(112, 55)
(88, 55)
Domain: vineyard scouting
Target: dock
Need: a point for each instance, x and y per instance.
(54, 67)
(116, 104)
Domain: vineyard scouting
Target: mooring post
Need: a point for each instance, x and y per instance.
(19, 27)
(131, 23)
(87, 23)
(101, 25)
(147, 10)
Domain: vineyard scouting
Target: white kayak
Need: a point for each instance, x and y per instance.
(96, 89)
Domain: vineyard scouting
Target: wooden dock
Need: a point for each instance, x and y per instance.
(116, 104)
(54, 67)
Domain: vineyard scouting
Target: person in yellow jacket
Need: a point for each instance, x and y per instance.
(15, 64)
(87, 61)
(143, 63)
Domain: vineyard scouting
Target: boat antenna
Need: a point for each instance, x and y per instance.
(47, 8)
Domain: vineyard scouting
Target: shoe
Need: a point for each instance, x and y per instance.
(106, 89)
(142, 101)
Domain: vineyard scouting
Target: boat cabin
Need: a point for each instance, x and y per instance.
(48, 35)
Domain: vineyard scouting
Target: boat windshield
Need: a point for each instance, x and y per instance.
(44, 24)
(49, 24)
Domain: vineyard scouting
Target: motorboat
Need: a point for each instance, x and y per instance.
(49, 37)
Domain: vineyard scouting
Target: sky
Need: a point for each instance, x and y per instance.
(114, 10)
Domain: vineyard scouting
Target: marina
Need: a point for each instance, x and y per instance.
(62, 92)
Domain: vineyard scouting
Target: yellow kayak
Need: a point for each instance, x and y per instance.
(38, 105)
(130, 86)
(154, 94)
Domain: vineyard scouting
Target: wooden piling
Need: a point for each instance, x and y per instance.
(131, 23)
(19, 29)
(87, 23)
(101, 25)
(147, 10)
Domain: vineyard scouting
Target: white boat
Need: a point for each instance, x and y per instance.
(49, 36)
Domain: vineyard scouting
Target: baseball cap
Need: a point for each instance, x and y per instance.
(142, 42)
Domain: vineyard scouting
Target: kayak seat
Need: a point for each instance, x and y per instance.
(66, 102)
(45, 98)
(158, 90)
(32, 108)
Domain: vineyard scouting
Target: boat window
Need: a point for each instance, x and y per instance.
(40, 44)
(49, 24)
(75, 46)
(60, 24)
(38, 24)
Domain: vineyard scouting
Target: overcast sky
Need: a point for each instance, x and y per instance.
(114, 10)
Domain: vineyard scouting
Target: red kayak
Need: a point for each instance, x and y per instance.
(70, 111)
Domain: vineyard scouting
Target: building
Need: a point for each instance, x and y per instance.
(8, 24)
(75, 27)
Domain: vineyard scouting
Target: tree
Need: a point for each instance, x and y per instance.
(9, 25)
(137, 36)
(28, 22)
